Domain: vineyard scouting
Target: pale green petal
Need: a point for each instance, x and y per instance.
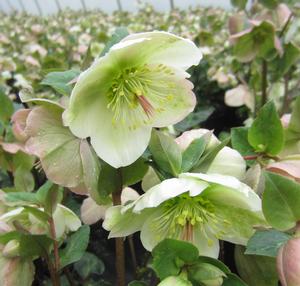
(65, 220)
(168, 49)
(150, 180)
(175, 281)
(207, 243)
(240, 223)
(121, 225)
(115, 143)
(166, 190)
(128, 194)
(228, 162)
(181, 101)
(228, 189)
(187, 137)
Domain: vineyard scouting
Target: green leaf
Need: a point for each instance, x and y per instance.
(89, 264)
(34, 245)
(76, 246)
(119, 34)
(239, 141)
(240, 4)
(7, 108)
(233, 280)
(192, 154)
(203, 164)
(166, 152)
(21, 198)
(134, 173)
(7, 236)
(39, 214)
(271, 4)
(256, 42)
(256, 270)
(217, 263)
(170, 255)
(23, 179)
(266, 243)
(109, 182)
(282, 64)
(59, 81)
(266, 132)
(281, 201)
(49, 195)
(194, 119)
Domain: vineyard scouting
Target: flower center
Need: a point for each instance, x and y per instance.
(139, 92)
(182, 214)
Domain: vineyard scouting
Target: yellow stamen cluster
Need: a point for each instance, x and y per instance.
(140, 92)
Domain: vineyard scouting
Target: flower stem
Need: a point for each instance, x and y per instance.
(286, 98)
(133, 254)
(264, 83)
(56, 266)
(119, 242)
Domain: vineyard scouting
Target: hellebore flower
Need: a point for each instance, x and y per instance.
(199, 208)
(139, 84)
(288, 262)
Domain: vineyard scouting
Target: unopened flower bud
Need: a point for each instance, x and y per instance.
(288, 263)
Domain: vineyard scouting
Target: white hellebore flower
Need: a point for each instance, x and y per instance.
(199, 208)
(139, 84)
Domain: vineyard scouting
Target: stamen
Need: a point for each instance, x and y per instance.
(146, 105)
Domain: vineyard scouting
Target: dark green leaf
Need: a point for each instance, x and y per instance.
(239, 141)
(205, 161)
(6, 107)
(119, 34)
(271, 4)
(76, 246)
(215, 262)
(240, 4)
(89, 264)
(194, 119)
(49, 195)
(192, 154)
(34, 245)
(7, 236)
(21, 198)
(266, 243)
(233, 280)
(137, 283)
(266, 132)
(134, 173)
(59, 81)
(166, 152)
(256, 270)
(170, 255)
(23, 179)
(281, 201)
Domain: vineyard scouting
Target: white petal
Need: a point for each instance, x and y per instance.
(114, 143)
(228, 162)
(129, 194)
(166, 48)
(235, 192)
(209, 248)
(91, 212)
(187, 137)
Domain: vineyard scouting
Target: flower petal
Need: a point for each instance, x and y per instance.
(91, 212)
(166, 190)
(228, 189)
(163, 48)
(228, 162)
(123, 224)
(115, 143)
(240, 222)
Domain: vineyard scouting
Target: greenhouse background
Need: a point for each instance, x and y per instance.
(51, 6)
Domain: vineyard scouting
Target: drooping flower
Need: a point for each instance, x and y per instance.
(198, 208)
(139, 84)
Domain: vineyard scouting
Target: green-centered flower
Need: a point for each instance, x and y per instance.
(198, 208)
(139, 84)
